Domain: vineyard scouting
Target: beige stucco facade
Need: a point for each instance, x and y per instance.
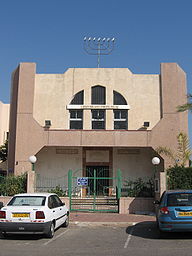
(40, 97)
(4, 121)
(54, 92)
(4, 130)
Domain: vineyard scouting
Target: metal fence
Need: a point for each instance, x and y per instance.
(48, 184)
(98, 184)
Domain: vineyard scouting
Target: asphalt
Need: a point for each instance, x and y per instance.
(109, 219)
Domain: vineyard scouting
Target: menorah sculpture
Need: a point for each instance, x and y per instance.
(98, 46)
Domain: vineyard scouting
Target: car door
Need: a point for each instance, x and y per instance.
(60, 211)
(159, 205)
(53, 208)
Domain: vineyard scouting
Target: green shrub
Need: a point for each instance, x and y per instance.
(179, 177)
(11, 185)
(4, 151)
(138, 188)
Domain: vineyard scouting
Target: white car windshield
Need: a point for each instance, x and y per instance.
(27, 201)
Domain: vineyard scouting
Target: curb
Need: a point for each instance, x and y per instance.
(100, 224)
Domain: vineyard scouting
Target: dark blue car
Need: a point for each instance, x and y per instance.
(174, 211)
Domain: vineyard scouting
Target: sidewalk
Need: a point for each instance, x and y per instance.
(108, 219)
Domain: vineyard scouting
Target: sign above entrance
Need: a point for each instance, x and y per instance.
(82, 181)
(98, 107)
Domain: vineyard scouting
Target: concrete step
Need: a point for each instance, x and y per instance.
(97, 201)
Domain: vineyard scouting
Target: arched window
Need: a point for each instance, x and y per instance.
(78, 99)
(120, 115)
(76, 115)
(98, 95)
(118, 99)
(98, 115)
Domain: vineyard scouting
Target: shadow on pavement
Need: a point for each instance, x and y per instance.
(149, 230)
(13, 236)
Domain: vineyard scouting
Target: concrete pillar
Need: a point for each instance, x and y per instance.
(87, 119)
(162, 182)
(109, 119)
(30, 182)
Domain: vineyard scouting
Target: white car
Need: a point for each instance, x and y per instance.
(37, 212)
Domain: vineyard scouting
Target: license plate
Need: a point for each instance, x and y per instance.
(185, 213)
(20, 215)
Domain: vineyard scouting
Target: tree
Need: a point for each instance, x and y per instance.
(4, 151)
(183, 153)
(186, 106)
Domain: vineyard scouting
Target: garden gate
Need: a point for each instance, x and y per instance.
(96, 191)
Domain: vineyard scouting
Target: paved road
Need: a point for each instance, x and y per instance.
(140, 239)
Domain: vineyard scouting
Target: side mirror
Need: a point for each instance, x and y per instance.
(156, 202)
(62, 204)
(1, 205)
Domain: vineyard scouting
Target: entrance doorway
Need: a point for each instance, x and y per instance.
(100, 185)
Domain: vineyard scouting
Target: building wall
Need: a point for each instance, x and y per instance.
(134, 163)
(173, 94)
(4, 121)
(57, 161)
(152, 98)
(53, 92)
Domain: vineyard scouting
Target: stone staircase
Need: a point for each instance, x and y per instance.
(103, 204)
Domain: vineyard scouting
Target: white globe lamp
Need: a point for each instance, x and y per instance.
(155, 160)
(33, 160)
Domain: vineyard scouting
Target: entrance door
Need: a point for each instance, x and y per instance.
(98, 182)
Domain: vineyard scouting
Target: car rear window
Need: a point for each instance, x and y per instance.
(179, 199)
(27, 201)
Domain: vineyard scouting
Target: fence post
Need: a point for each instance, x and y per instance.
(119, 183)
(70, 186)
(94, 188)
(31, 181)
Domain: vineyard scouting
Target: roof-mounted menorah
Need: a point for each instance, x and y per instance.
(98, 46)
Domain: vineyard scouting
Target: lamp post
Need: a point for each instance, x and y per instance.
(155, 162)
(33, 160)
(31, 175)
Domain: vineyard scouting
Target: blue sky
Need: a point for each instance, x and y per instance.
(51, 32)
